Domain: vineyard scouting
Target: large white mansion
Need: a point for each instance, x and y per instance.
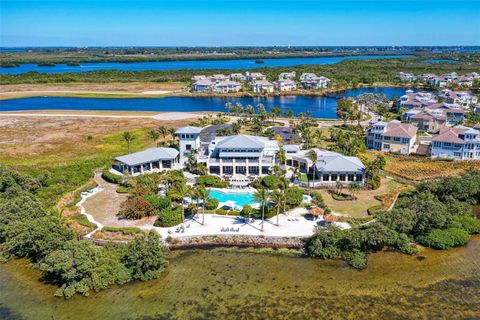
(243, 156)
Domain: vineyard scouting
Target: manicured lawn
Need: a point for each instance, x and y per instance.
(365, 199)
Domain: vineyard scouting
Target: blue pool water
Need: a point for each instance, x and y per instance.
(320, 107)
(240, 199)
(187, 64)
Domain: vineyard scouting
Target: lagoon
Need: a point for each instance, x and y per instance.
(242, 284)
(320, 107)
(188, 64)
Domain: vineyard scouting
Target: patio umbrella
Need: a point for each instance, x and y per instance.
(329, 218)
(316, 211)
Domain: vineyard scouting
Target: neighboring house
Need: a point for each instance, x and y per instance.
(147, 161)
(262, 86)
(218, 77)
(426, 120)
(459, 143)
(254, 76)
(412, 100)
(287, 75)
(197, 78)
(189, 140)
(393, 136)
(226, 86)
(240, 155)
(403, 76)
(329, 166)
(238, 77)
(312, 81)
(202, 85)
(219, 86)
(285, 85)
(460, 98)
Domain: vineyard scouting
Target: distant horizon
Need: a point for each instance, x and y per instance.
(247, 46)
(239, 23)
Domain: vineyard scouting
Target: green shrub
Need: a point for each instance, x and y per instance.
(83, 221)
(234, 213)
(373, 183)
(294, 196)
(271, 182)
(125, 231)
(317, 198)
(122, 189)
(247, 211)
(341, 197)
(372, 211)
(211, 204)
(445, 238)
(208, 181)
(169, 217)
(379, 197)
(356, 259)
(468, 223)
(221, 184)
(159, 203)
(110, 177)
(136, 207)
(221, 211)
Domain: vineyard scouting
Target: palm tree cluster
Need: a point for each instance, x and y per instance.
(163, 132)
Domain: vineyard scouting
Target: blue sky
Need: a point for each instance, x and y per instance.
(230, 23)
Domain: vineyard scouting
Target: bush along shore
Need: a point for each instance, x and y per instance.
(436, 214)
(27, 230)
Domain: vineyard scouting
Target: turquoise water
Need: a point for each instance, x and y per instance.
(240, 199)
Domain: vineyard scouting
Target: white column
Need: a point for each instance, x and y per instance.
(151, 167)
(141, 168)
(221, 166)
(247, 172)
(131, 170)
(160, 166)
(234, 167)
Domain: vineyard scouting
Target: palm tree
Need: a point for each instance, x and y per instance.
(339, 187)
(278, 199)
(261, 195)
(250, 110)
(128, 137)
(312, 156)
(203, 194)
(284, 186)
(181, 191)
(154, 135)
(163, 131)
(353, 187)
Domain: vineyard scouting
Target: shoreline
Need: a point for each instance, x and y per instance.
(5, 96)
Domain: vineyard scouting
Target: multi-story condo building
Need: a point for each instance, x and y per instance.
(255, 76)
(287, 75)
(240, 154)
(459, 143)
(460, 98)
(412, 100)
(393, 136)
(262, 86)
(437, 115)
(312, 81)
(285, 85)
(403, 76)
(329, 166)
(218, 86)
(238, 77)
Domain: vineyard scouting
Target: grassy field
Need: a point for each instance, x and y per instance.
(69, 149)
(365, 199)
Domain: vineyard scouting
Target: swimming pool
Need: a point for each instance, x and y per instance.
(239, 198)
